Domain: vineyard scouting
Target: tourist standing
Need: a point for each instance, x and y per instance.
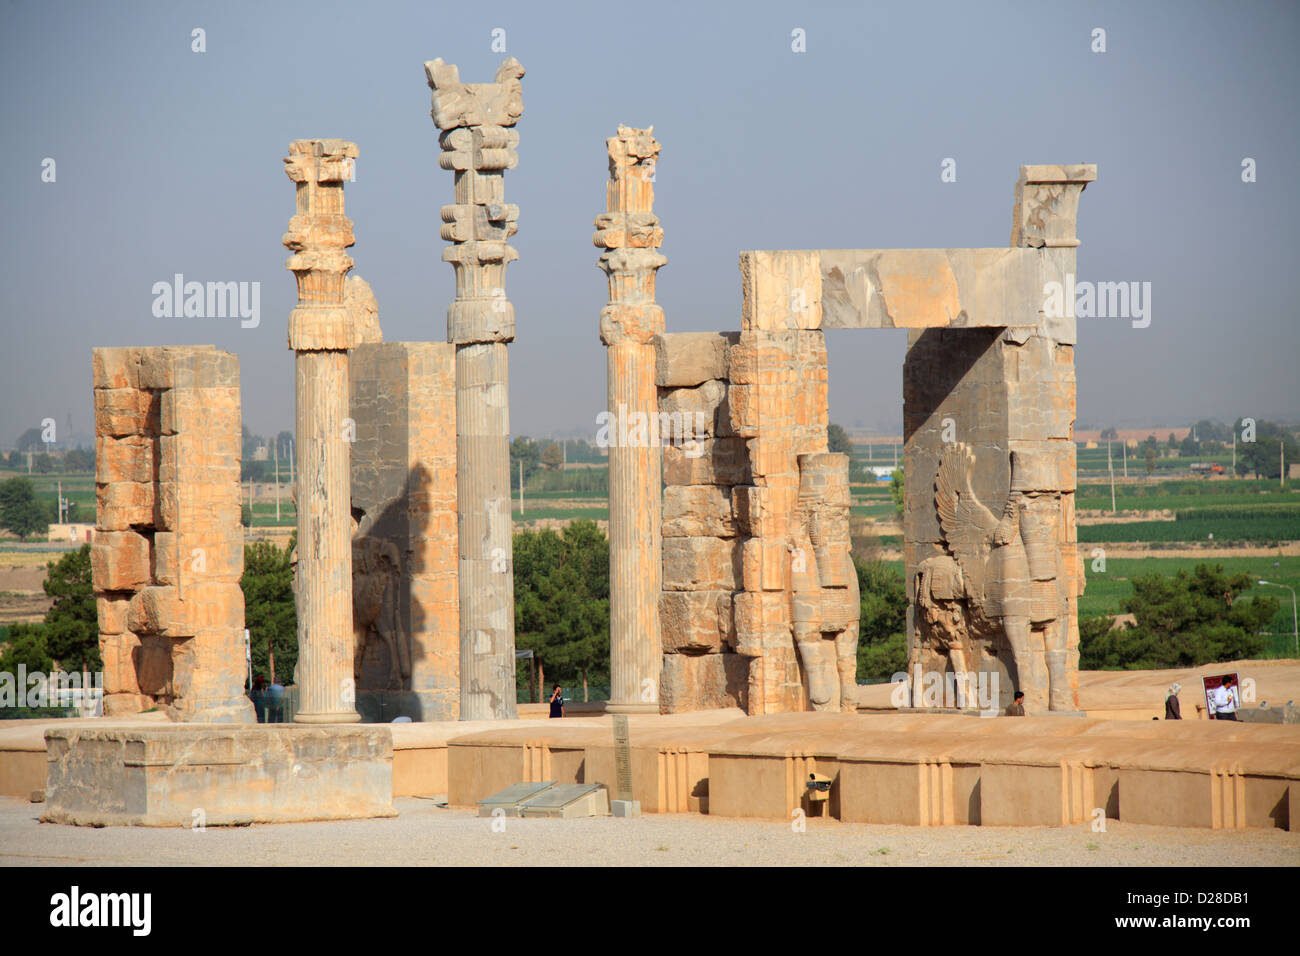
(1173, 711)
(1225, 699)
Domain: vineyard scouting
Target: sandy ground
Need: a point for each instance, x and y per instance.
(424, 834)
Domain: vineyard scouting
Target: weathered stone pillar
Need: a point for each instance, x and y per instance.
(630, 233)
(320, 333)
(479, 146)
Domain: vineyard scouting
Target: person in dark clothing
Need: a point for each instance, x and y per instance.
(1172, 709)
(1017, 707)
(258, 696)
(557, 701)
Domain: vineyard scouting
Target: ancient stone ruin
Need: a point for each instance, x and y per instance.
(169, 548)
(478, 141)
(731, 581)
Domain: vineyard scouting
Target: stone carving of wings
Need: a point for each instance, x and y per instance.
(967, 525)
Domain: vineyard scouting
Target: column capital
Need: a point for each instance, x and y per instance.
(318, 233)
(1047, 205)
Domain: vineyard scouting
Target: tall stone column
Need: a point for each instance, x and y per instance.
(630, 233)
(478, 145)
(321, 333)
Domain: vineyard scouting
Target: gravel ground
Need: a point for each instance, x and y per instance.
(425, 834)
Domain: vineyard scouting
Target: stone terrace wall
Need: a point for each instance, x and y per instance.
(168, 551)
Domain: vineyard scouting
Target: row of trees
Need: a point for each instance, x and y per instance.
(23, 514)
(69, 462)
(1192, 618)
(69, 636)
(562, 614)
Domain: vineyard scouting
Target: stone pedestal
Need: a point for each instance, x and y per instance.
(195, 777)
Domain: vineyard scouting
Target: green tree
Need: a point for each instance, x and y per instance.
(20, 510)
(882, 625)
(562, 600)
(1189, 619)
(79, 459)
(1149, 459)
(71, 623)
(896, 490)
(29, 440)
(1109, 434)
(837, 441)
(552, 456)
(25, 644)
(527, 451)
(269, 612)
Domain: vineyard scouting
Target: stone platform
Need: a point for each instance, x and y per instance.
(194, 775)
(913, 769)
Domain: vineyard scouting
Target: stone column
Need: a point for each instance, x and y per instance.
(1041, 414)
(478, 145)
(320, 333)
(630, 233)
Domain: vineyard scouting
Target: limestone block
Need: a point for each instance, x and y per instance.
(111, 611)
(158, 775)
(716, 461)
(116, 368)
(700, 564)
(120, 412)
(124, 503)
(782, 290)
(762, 620)
(154, 610)
(773, 454)
(692, 510)
(123, 459)
(119, 561)
(702, 682)
(691, 358)
(119, 653)
(695, 621)
(766, 564)
(1045, 465)
(691, 413)
(929, 288)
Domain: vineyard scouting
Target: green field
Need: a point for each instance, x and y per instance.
(1224, 531)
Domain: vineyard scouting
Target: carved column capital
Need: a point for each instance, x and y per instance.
(1047, 205)
(318, 233)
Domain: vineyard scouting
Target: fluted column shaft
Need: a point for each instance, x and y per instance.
(320, 333)
(631, 234)
(478, 144)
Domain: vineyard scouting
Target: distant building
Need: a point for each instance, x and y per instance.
(75, 533)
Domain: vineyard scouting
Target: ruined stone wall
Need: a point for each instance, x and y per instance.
(703, 461)
(403, 403)
(168, 550)
(755, 520)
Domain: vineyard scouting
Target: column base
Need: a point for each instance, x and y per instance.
(342, 717)
(636, 708)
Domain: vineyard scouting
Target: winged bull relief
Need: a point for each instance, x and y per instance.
(999, 588)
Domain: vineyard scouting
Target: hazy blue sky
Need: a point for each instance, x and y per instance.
(170, 161)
